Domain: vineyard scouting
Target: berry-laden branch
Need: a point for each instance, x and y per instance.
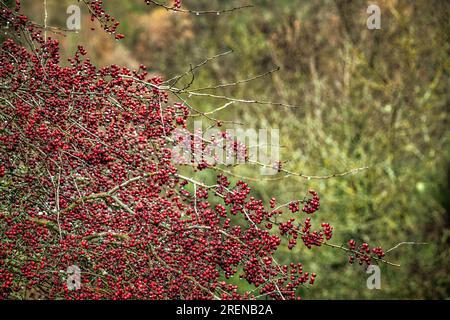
(110, 24)
(176, 7)
(87, 179)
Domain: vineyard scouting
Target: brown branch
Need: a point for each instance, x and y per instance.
(341, 247)
(232, 84)
(198, 12)
(405, 243)
(110, 193)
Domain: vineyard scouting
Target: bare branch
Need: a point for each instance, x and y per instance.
(192, 69)
(405, 243)
(198, 12)
(232, 84)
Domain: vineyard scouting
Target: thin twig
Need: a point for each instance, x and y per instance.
(198, 12)
(405, 243)
(232, 84)
(192, 69)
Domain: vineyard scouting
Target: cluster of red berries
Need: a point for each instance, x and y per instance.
(362, 253)
(311, 205)
(272, 202)
(378, 251)
(311, 238)
(103, 194)
(292, 273)
(313, 278)
(17, 6)
(315, 238)
(294, 206)
(86, 166)
(177, 4)
(327, 230)
(108, 23)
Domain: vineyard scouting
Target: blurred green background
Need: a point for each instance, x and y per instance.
(377, 98)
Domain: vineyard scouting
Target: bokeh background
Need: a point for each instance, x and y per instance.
(377, 98)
